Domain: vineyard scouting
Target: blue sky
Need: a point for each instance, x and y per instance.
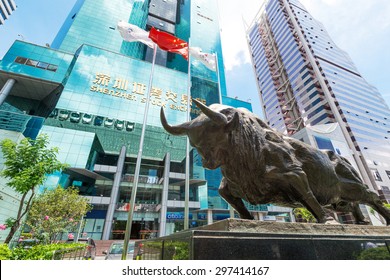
(360, 27)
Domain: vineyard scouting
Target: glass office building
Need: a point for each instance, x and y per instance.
(88, 93)
(304, 80)
(6, 9)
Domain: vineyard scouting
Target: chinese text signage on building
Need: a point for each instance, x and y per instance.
(122, 88)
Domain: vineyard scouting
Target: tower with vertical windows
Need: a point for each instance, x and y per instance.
(306, 81)
(7, 7)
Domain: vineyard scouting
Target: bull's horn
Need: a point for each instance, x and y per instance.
(215, 116)
(175, 130)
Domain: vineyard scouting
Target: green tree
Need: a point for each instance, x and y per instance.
(56, 211)
(304, 214)
(26, 165)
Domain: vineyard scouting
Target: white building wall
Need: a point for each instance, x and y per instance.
(9, 199)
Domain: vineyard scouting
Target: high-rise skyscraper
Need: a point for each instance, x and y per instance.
(305, 80)
(87, 92)
(6, 9)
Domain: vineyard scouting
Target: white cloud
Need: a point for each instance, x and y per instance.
(234, 41)
(361, 28)
(351, 22)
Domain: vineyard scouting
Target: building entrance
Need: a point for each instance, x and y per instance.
(139, 230)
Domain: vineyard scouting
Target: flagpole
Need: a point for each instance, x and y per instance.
(138, 164)
(231, 209)
(187, 177)
(218, 79)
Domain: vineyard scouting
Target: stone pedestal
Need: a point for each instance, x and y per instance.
(235, 239)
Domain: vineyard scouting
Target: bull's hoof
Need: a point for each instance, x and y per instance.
(246, 217)
(329, 220)
(333, 222)
(364, 222)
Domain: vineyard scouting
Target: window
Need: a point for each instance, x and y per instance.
(42, 65)
(324, 143)
(35, 63)
(20, 60)
(376, 175)
(31, 62)
(52, 67)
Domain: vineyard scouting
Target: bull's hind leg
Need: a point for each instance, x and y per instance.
(235, 202)
(358, 215)
(300, 185)
(360, 194)
(344, 206)
(375, 202)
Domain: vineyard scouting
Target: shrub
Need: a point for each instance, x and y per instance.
(380, 253)
(5, 252)
(304, 214)
(42, 252)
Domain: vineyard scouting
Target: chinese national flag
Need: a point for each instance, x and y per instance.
(168, 42)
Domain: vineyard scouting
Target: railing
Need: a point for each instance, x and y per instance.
(13, 121)
(76, 253)
(139, 207)
(153, 180)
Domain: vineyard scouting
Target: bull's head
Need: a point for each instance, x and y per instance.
(208, 133)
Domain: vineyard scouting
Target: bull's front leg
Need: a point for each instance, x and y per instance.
(303, 193)
(235, 202)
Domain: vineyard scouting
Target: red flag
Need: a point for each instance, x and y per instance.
(168, 42)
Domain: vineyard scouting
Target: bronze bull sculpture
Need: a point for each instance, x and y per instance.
(261, 165)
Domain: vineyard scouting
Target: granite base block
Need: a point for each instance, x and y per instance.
(235, 239)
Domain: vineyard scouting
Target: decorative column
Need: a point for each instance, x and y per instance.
(164, 198)
(209, 216)
(231, 211)
(4, 92)
(114, 195)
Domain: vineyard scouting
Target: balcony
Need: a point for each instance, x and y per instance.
(180, 204)
(98, 200)
(139, 207)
